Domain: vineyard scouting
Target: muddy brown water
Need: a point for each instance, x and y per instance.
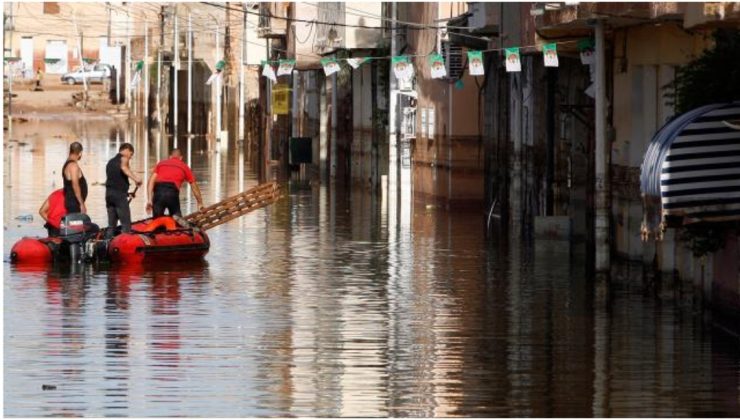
(329, 304)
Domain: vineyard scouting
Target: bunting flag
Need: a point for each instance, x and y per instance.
(268, 71)
(550, 53)
(586, 47)
(356, 62)
(475, 63)
(330, 65)
(135, 80)
(286, 67)
(513, 62)
(437, 63)
(137, 75)
(402, 68)
(215, 77)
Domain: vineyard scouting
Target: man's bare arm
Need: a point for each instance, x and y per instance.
(198, 196)
(44, 210)
(75, 174)
(127, 170)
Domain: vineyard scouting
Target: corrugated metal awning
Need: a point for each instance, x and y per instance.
(693, 165)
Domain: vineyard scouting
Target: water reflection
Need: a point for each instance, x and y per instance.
(335, 302)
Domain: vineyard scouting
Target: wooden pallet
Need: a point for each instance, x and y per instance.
(235, 206)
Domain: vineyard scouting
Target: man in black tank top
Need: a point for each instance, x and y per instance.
(116, 187)
(75, 185)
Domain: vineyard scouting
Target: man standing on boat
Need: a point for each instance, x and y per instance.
(116, 187)
(75, 185)
(164, 185)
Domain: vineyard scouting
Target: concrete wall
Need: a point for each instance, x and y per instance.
(448, 165)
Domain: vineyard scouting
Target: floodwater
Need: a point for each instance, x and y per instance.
(334, 303)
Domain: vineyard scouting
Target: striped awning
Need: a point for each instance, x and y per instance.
(693, 165)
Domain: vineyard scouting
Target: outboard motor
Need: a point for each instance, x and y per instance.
(76, 229)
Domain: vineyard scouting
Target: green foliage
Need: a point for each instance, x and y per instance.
(712, 78)
(702, 240)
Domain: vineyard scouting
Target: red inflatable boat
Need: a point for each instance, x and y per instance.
(160, 239)
(151, 239)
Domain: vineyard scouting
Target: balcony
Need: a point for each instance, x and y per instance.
(273, 20)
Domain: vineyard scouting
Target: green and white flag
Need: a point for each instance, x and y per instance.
(475, 63)
(356, 62)
(550, 53)
(586, 47)
(137, 75)
(330, 65)
(402, 68)
(513, 62)
(268, 71)
(437, 64)
(286, 67)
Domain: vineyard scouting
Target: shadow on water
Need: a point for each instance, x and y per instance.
(336, 302)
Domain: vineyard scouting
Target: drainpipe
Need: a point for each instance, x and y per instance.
(601, 156)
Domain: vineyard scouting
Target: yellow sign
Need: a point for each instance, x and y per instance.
(280, 99)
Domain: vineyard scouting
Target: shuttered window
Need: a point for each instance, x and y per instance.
(453, 55)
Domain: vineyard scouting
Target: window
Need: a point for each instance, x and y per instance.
(453, 55)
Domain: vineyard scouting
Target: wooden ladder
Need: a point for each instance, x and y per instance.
(235, 206)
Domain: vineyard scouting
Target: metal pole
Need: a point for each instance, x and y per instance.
(159, 86)
(190, 75)
(146, 77)
(392, 107)
(175, 86)
(127, 80)
(82, 62)
(601, 156)
(241, 77)
(10, 69)
(218, 90)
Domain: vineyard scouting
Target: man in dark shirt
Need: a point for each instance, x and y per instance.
(164, 185)
(116, 187)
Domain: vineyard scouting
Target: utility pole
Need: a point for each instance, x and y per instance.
(107, 5)
(190, 76)
(146, 75)
(159, 70)
(218, 90)
(241, 75)
(10, 68)
(82, 61)
(175, 90)
(602, 158)
(127, 80)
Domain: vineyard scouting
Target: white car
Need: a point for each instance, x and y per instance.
(93, 75)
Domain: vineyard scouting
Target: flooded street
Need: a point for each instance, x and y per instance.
(328, 304)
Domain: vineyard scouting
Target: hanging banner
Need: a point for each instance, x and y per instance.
(268, 71)
(330, 65)
(437, 63)
(550, 53)
(475, 63)
(586, 47)
(402, 68)
(280, 99)
(356, 62)
(513, 62)
(286, 67)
